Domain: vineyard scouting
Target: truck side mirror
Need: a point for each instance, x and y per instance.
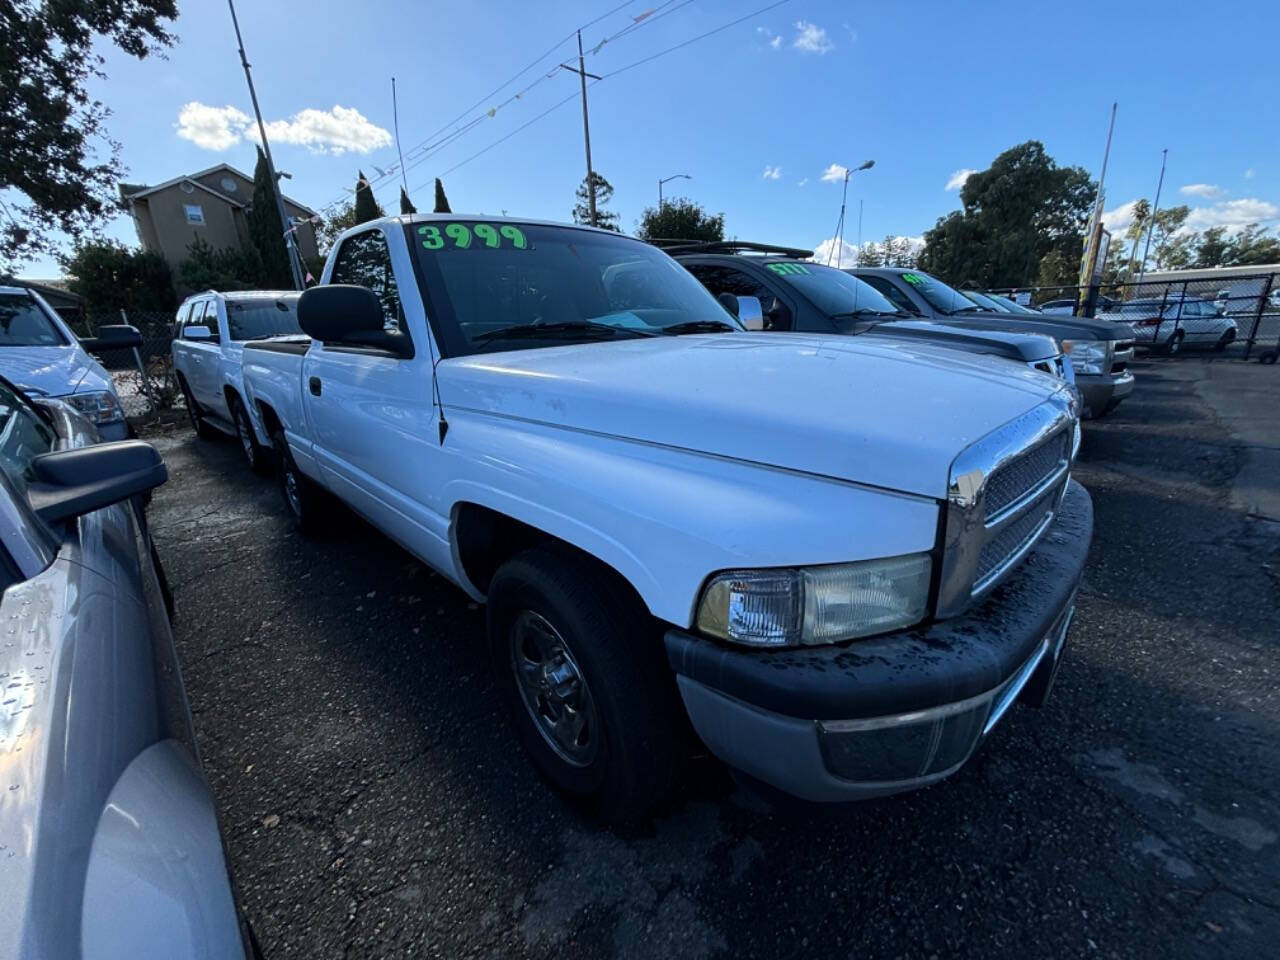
(751, 313)
(71, 483)
(198, 333)
(348, 314)
(116, 336)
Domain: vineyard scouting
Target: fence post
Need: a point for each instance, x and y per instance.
(1164, 302)
(142, 371)
(1257, 315)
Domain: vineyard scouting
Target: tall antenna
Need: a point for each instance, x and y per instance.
(395, 122)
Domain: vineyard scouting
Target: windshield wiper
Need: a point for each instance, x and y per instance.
(870, 313)
(570, 328)
(699, 326)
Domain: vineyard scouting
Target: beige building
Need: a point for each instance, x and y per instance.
(210, 204)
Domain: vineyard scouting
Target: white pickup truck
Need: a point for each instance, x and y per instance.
(208, 342)
(837, 560)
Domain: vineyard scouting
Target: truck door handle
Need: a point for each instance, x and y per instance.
(314, 384)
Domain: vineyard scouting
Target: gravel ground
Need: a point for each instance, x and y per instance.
(375, 803)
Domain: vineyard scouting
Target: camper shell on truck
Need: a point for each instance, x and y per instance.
(835, 560)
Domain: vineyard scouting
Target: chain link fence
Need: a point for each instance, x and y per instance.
(143, 377)
(1237, 314)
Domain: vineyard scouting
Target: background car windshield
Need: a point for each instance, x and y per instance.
(481, 278)
(832, 291)
(24, 324)
(262, 317)
(936, 293)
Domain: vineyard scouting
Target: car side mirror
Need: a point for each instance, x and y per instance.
(199, 333)
(116, 336)
(729, 302)
(751, 313)
(71, 483)
(351, 315)
(777, 317)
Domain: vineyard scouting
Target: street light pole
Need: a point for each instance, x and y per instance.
(586, 128)
(295, 263)
(674, 176)
(867, 165)
(1151, 228)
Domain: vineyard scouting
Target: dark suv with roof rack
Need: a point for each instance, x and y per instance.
(1100, 350)
(800, 295)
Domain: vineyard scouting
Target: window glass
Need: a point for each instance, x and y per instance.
(261, 317)
(937, 294)
(23, 436)
(507, 287)
(24, 324)
(892, 294)
(196, 317)
(832, 291)
(194, 212)
(365, 261)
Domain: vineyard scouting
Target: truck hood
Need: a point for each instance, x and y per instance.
(52, 371)
(875, 411)
(1010, 342)
(1063, 327)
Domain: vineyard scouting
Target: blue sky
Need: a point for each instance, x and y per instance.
(755, 114)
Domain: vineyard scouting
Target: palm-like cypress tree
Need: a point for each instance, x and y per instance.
(406, 205)
(367, 207)
(266, 234)
(442, 202)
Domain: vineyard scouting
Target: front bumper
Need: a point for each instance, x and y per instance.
(896, 712)
(114, 431)
(1099, 391)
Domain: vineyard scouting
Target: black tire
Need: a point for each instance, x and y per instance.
(1225, 341)
(260, 458)
(202, 429)
(635, 733)
(1174, 346)
(303, 500)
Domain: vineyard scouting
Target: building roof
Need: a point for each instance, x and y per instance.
(137, 191)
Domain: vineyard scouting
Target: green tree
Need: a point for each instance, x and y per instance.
(333, 226)
(1116, 268)
(266, 234)
(111, 276)
(366, 205)
(1171, 247)
(406, 205)
(230, 268)
(1213, 249)
(1014, 214)
(56, 155)
(1253, 245)
(1056, 269)
(1137, 227)
(605, 219)
(442, 202)
(897, 252)
(871, 255)
(681, 219)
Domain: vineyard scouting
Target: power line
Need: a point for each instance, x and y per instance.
(701, 36)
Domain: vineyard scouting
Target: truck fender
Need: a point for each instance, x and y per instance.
(157, 883)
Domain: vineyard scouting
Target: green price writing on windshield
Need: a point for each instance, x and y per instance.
(461, 236)
(913, 278)
(788, 269)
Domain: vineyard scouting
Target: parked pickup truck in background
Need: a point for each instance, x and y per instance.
(788, 544)
(795, 294)
(1100, 350)
(208, 341)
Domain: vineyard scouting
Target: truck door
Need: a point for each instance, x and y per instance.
(202, 371)
(373, 418)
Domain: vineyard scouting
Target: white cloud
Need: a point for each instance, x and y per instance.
(772, 173)
(959, 177)
(1206, 190)
(768, 36)
(213, 128)
(1232, 214)
(834, 173)
(839, 251)
(335, 131)
(811, 38)
(1118, 219)
(802, 182)
(1249, 174)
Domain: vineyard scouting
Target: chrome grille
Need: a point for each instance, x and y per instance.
(1121, 356)
(1012, 540)
(1019, 477)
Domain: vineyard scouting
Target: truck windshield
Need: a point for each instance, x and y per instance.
(937, 294)
(506, 286)
(260, 317)
(832, 291)
(24, 324)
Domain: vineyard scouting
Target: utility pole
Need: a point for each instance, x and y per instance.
(586, 127)
(295, 263)
(840, 223)
(1151, 228)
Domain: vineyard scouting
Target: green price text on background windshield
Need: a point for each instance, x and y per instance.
(913, 278)
(788, 269)
(460, 236)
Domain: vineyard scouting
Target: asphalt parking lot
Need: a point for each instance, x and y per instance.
(375, 803)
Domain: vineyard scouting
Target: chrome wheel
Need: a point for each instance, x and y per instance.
(553, 690)
(245, 432)
(291, 493)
